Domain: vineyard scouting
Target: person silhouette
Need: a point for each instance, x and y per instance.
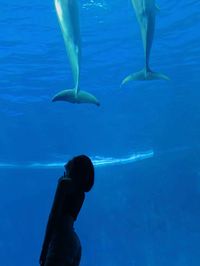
(61, 245)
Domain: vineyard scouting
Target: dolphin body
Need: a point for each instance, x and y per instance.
(146, 13)
(68, 16)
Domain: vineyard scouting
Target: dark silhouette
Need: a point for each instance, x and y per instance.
(61, 245)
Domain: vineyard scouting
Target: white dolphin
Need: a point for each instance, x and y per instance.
(68, 16)
(145, 11)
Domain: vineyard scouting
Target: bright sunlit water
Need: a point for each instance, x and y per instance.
(144, 139)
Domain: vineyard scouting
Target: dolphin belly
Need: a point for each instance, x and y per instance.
(68, 16)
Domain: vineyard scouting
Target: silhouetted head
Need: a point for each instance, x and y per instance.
(81, 170)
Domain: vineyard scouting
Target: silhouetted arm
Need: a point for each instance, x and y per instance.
(56, 212)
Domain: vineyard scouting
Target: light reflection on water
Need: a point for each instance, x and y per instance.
(98, 161)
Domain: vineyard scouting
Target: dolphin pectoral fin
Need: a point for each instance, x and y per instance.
(73, 97)
(144, 75)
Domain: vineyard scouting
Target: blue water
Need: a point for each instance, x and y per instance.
(144, 139)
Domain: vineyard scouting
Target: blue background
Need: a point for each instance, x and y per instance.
(143, 213)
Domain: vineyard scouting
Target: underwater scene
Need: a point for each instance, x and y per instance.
(117, 80)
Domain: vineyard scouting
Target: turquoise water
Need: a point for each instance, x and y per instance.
(143, 139)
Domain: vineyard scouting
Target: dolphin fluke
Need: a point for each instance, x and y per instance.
(73, 97)
(144, 75)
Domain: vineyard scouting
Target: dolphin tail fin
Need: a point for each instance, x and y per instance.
(73, 96)
(144, 75)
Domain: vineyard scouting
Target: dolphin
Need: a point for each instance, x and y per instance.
(145, 11)
(68, 17)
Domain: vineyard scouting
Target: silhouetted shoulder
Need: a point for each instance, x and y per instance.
(66, 184)
(69, 198)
